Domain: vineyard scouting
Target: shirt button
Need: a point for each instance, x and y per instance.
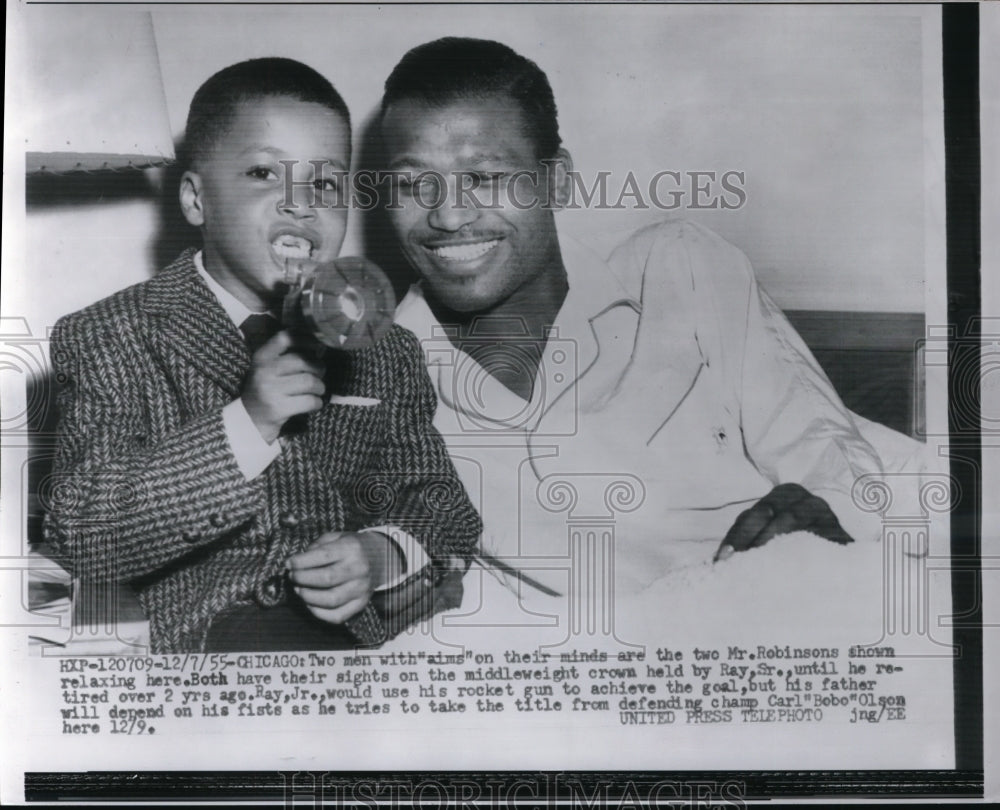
(189, 536)
(289, 520)
(217, 520)
(271, 588)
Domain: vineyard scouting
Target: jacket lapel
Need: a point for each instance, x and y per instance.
(190, 328)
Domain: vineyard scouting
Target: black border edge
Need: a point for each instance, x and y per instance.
(960, 41)
(497, 789)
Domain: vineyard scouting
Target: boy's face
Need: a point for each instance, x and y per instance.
(272, 188)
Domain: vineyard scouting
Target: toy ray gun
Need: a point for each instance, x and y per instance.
(344, 304)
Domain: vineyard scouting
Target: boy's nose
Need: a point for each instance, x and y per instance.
(298, 202)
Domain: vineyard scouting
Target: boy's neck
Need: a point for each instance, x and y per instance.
(235, 287)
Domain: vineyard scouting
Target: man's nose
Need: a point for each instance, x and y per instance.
(455, 206)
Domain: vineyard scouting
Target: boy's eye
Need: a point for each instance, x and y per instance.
(262, 173)
(327, 183)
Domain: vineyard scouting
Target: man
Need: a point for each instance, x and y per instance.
(666, 369)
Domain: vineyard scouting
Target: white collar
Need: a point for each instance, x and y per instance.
(593, 286)
(235, 309)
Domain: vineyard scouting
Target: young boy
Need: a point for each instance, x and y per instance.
(177, 467)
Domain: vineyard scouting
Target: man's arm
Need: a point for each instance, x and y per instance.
(798, 433)
(794, 427)
(125, 502)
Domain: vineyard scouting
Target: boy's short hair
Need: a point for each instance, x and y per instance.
(454, 69)
(214, 105)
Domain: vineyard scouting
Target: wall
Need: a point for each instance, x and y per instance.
(822, 108)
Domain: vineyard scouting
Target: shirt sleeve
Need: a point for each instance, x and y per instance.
(414, 556)
(253, 454)
(796, 428)
(708, 314)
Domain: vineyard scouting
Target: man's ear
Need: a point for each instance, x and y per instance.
(191, 199)
(560, 170)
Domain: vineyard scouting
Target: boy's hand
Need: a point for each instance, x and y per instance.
(282, 383)
(337, 574)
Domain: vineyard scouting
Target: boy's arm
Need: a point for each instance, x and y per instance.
(413, 497)
(121, 503)
(431, 504)
(417, 489)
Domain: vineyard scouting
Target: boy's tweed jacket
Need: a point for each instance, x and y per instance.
(146, 489)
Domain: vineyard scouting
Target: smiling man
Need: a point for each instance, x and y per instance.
(504, 261)
(666, 364)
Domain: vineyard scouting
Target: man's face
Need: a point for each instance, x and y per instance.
(252, 217)
(473, 257)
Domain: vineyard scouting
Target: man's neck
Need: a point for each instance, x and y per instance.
(509, 339)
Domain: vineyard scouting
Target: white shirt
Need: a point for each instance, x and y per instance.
(253, 454)
(672, 395)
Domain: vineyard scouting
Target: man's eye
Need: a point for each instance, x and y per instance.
(262, 173)
(407, 188)
(490, 177)
(327, 184)
(421, 187)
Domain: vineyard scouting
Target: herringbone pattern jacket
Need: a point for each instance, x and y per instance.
(146, 488)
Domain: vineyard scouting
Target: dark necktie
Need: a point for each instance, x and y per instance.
(258, 329)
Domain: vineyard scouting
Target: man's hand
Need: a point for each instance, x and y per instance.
(786, 508)
(337, 574)
(282, 383)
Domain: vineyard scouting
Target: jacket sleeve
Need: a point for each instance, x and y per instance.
(126, 500)
(417, 487)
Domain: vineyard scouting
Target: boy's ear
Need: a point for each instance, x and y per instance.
(191, 201)
(560, 169)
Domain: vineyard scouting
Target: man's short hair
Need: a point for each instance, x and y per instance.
(214, 105)
(454, 69)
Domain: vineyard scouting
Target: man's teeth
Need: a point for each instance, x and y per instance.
(292, 247)
(464, 253)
